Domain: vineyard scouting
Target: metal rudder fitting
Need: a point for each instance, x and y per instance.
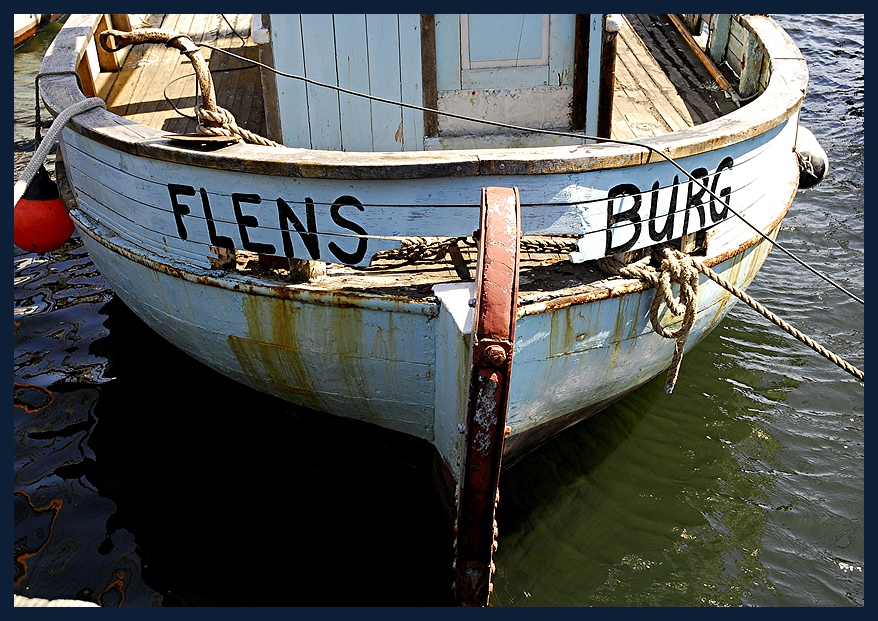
(496, 306)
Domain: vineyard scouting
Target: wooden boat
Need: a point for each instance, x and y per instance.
(27, 26)
(396, 260)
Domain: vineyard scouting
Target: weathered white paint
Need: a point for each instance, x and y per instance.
(354, 219)
(594, 73)
(391, 361)
(401, 365)
(540, 107)
(607, 347)
(352, 58)
(411, 86)
(453, 355)
(286, 37)
(498, 141)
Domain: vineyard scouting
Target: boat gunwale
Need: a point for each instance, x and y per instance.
(314, 293)
(781, 100)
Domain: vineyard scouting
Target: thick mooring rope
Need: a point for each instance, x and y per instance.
(45, 147)
(225, 125)
(675, 267)
(414, 249)
(683, 269)
(759, 308)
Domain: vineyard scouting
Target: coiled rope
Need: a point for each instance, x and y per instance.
(221, 122)
(678, 267)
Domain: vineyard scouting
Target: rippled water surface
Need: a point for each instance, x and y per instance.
(142, 478)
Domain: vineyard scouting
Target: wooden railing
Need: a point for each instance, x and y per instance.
(727, 38)
(97, 68)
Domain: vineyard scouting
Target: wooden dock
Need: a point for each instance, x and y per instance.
(156, 85)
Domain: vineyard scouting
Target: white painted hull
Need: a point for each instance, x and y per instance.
(152, 225)
(403, 365)
(25, 27)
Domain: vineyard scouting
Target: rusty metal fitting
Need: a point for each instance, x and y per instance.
(495, 355)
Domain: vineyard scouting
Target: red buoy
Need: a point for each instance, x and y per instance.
(40, 220)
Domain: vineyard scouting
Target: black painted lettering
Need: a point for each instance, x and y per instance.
(667, 231)
(180, 209)
(725, 193)
(286, 215)
(245, 222)
(351, 258)
(694, 200)
(220, 241)
(631, 215)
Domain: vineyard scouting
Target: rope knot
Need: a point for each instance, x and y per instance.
(674, 267)
(221, 122)
(682, 269)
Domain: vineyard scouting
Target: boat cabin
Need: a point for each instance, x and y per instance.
(542, 71)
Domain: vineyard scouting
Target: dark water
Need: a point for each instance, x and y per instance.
(141, 478)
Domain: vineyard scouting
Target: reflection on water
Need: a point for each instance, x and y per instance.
(141, 478)
(674, 498)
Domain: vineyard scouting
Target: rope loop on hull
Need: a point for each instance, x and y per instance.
(683, 269)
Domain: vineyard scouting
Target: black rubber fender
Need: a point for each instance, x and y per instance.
(813, 161)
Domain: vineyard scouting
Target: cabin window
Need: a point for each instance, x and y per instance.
(515, 69)
(518, 58)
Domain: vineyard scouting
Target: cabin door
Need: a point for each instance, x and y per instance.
(516, 69)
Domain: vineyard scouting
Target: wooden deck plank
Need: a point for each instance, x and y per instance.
(158, 66)
(156, 70)
(677, 65)
(135, 75)
(180, 89)
(641, 74)
(646, 103)
(635, 108)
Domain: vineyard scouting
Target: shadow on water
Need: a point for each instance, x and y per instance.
(233, 501)
(143, 478)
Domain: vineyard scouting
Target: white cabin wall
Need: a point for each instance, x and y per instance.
(318, 43)
(381, 55)
(352, 59)
(286, 41)
(378, 55)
